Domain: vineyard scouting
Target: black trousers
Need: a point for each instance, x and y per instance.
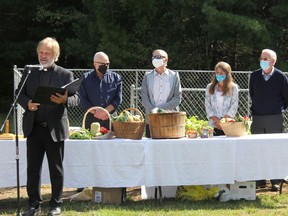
(39, 143)
(147, 131)
(267, 124)
(218, 132)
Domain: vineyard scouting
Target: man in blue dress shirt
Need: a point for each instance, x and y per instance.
(100, 87)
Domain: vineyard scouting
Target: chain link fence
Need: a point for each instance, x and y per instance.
(193, 84)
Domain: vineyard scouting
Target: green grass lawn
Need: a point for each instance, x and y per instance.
(265, 204)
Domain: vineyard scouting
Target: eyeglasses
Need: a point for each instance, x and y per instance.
(101, 63)
(158, 57)
(264, 59)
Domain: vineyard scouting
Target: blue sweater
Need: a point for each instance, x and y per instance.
(268, 97)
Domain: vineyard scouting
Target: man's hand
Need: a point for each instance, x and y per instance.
(101, 114)
(32, 106)
(59, 99)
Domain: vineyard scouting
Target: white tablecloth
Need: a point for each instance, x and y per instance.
(157, 162)
(104, 163)
(261, 157)
(189, 162)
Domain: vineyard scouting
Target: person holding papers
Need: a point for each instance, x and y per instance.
(100, 87)
(45, 125)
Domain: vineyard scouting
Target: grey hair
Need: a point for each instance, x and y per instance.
(100, 54)
(271, 53)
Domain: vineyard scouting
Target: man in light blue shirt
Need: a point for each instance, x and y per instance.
(161, 87)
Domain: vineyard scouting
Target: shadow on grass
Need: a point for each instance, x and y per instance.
(263, 201)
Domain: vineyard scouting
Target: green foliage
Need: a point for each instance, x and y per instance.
(246, 120)
(81, 134)
(195, 33)
(196, 124)
(123, 117)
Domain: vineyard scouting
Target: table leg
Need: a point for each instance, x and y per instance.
(160, 193)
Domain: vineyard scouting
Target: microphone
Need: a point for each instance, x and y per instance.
(35, 66)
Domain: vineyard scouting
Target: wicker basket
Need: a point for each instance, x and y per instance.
(130, 130)
(110, 134)
(233, 129)
(167, 125)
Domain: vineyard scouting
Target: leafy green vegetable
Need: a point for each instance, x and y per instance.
(81, 134)
(123, 117)
(196, 124)
(161, 110)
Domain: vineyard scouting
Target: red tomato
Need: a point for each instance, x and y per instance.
(104, 130)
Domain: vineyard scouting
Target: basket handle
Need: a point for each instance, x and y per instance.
(134, 109)
(95, 108)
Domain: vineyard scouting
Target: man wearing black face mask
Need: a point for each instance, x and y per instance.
(100, 87)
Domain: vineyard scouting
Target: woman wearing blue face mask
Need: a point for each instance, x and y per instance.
(221, 97)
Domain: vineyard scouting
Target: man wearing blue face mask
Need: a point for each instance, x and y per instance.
(161, 87)
(268, 89)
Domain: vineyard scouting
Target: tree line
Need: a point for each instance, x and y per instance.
(195, 33)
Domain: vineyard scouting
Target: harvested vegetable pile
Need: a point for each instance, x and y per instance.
(80, 134)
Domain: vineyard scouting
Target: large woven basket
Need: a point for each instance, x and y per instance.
(233, 129)
(110, 134)
(169, 125)
(130, 130)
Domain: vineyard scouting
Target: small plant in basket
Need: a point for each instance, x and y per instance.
(238, 118)
(192, 127)
(246, 120)
(195, 127)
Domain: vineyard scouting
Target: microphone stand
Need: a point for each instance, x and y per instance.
(14, 107)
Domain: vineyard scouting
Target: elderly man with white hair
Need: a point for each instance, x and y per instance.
(45, 125)
(268, 90)
(161, 87)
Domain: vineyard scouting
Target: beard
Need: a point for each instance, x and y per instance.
(46, 63)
